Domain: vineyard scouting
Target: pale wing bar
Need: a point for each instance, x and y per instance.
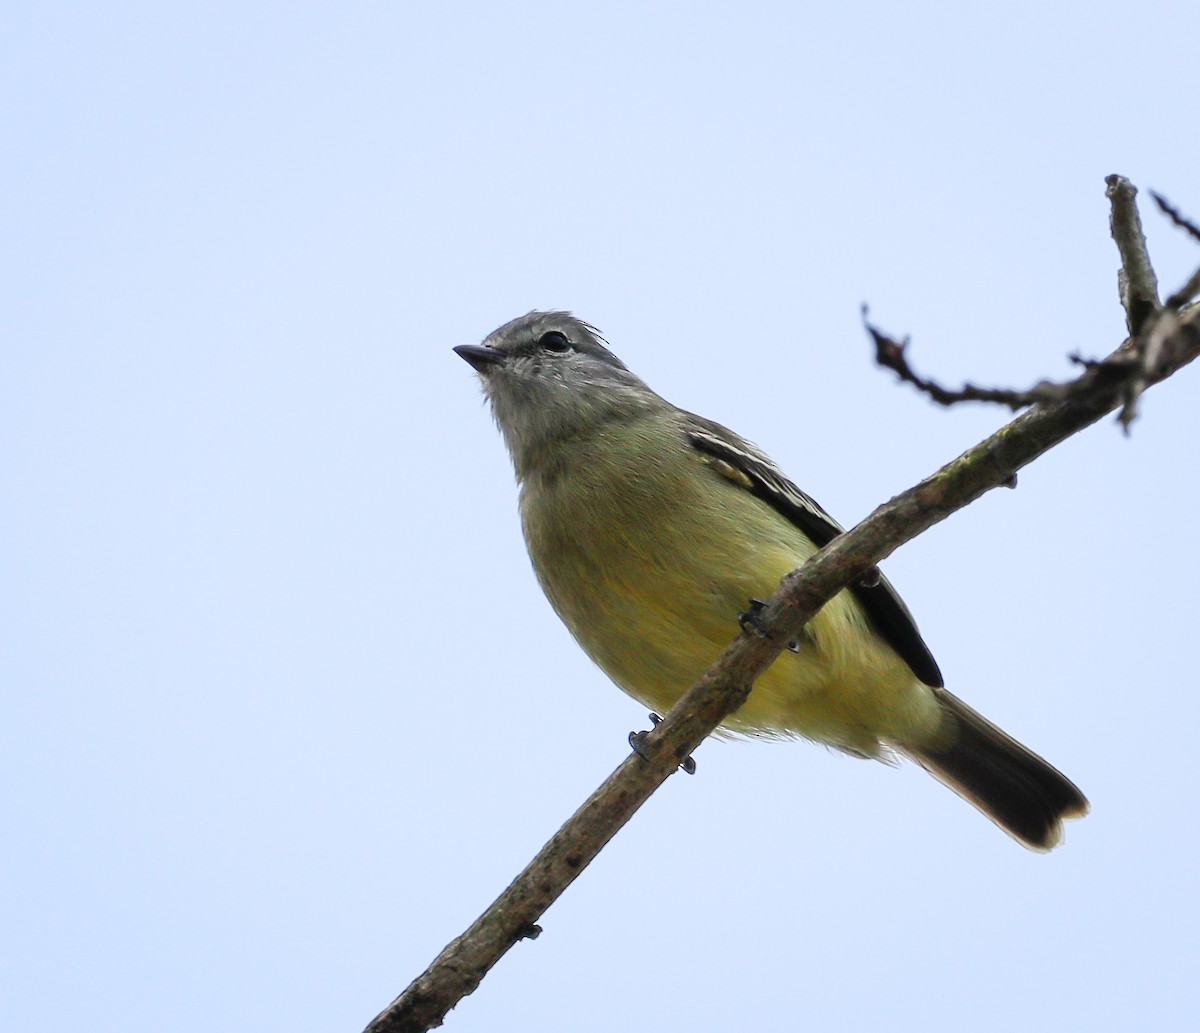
(883, 605)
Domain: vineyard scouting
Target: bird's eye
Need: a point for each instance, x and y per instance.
(554, 341)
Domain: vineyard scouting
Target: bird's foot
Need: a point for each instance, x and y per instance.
(751, 623)
(637, 741)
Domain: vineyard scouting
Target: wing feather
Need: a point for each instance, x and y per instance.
(763, 479)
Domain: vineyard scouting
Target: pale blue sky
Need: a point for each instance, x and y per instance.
(284, 708)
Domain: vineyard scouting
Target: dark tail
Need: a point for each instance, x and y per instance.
(1013, 786)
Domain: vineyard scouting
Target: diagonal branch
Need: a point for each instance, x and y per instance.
(1190, 290)
(458, 970)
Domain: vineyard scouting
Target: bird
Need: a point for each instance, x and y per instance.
(649, 528)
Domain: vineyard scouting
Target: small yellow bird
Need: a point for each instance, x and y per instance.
(650, 528)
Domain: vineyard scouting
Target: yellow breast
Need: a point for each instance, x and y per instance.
(648, 553)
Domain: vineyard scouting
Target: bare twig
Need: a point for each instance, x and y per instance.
(1173, 213)
(1190, 290)
(1136, 280)
(892, 354)
(1127, 369)
(1161, 323)
(458, 970)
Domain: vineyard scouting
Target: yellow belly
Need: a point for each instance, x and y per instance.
(653, 602)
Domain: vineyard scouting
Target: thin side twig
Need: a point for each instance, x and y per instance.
(892, 354)
(1173, 213)
(1190, 290)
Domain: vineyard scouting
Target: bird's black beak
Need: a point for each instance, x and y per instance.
(481, 359)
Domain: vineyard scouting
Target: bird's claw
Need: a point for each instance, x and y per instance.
(637, 742)
(751, 621)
